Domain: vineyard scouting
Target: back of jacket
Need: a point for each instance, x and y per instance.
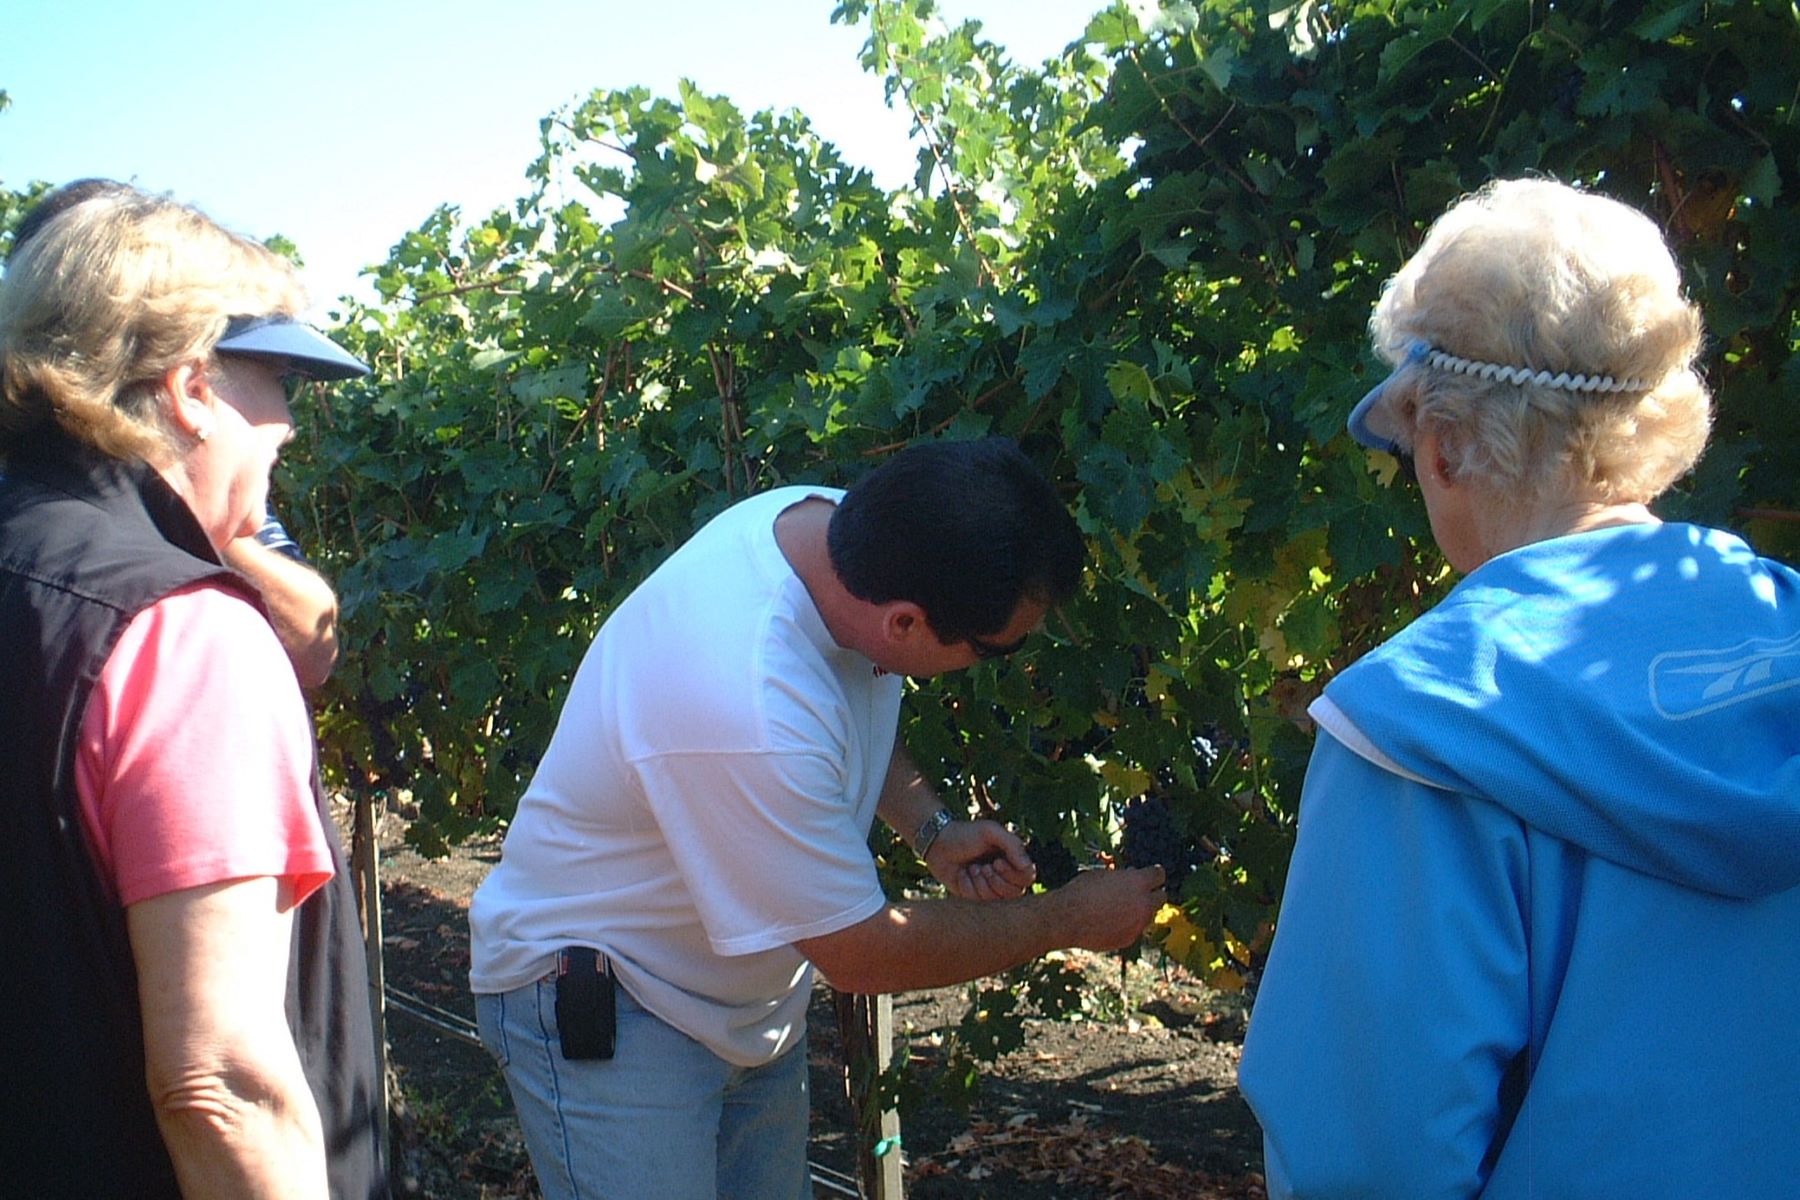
(1539, 934)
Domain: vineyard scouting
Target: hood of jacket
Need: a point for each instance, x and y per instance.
(1634, 691)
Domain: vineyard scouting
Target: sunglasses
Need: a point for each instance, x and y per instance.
(990, 650)
(1409, 470)
(294, 378)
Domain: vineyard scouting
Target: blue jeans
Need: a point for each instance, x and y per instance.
(663, 1119)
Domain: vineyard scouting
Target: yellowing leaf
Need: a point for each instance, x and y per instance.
(1274, 645)
(1123, 778)
(1156, 684)
(1225, 980)
(1383, 467)
(1182, 939)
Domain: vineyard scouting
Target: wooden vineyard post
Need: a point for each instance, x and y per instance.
(866, 1024)
(365, 864)
(889, 1182)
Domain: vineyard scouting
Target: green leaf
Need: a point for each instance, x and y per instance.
(613, 312)
(451, 550)
(969, 425)
(1763, 181)
(1483, 11)
(1171, 252)
(1043, 362)
(1400, 53)
(1010, 315)
(1129, 382)
(1360, 535)
(488, 360)
(1114, 488)
(1622, 88)
(539, 386)
(1433, 26)
(1218, 66)
(1660, 26)
(1114, 29)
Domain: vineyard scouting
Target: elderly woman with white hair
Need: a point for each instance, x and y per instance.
(1541, 931)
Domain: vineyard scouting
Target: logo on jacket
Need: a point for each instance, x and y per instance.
(1691, 683)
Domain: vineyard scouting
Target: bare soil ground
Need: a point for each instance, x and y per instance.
(1139, 1099)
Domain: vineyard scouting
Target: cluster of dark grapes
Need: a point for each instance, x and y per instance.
(1151, 839)
(1055, 862)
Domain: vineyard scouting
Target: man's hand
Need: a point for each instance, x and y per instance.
(980, 860)
(1108, 910)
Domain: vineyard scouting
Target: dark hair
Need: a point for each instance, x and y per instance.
(965, 530)
(60, 200)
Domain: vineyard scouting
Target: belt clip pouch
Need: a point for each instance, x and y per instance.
(585, 1012)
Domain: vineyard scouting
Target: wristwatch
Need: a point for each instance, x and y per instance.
(935, 824)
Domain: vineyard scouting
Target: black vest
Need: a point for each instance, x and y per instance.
(86, 543)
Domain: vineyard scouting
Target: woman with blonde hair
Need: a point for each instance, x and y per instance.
(175, 900)
(1539, 932)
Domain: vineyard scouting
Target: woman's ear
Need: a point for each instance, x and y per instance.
(187, 395)
(1432, 456)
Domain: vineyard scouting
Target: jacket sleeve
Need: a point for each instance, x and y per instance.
(1395, 997)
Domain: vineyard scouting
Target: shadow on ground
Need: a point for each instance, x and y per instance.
(1131, 1107)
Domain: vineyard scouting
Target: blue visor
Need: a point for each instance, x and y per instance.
(1372, 426)
(304, 348)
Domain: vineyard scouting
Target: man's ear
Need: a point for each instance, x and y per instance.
(187, 397)
(902, 621)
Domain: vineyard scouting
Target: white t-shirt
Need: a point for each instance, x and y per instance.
(705, 800)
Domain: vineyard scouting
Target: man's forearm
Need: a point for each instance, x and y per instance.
(302, 607)
(907, 800)
(933, 943)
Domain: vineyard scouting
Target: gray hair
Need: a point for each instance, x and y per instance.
(1561, 349)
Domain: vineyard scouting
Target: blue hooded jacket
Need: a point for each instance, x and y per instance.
(1541, 932)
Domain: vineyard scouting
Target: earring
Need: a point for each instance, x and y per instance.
(202, 433)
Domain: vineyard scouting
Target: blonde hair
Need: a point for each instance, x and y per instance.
(1536, 275)
(107, 297)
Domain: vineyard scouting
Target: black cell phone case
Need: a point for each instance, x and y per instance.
(585, 1006)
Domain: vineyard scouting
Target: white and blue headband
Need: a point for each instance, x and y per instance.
(1376, 434)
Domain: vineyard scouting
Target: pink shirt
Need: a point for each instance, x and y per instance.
(196, 757)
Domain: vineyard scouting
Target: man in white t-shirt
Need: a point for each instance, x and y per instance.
(695, 838)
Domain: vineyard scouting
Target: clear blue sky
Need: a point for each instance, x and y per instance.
(343, 123)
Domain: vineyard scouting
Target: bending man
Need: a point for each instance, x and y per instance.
(697, 830)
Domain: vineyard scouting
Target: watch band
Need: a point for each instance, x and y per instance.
(933, 825)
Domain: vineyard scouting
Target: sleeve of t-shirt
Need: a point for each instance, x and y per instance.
(767, 844)
(196, 758)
